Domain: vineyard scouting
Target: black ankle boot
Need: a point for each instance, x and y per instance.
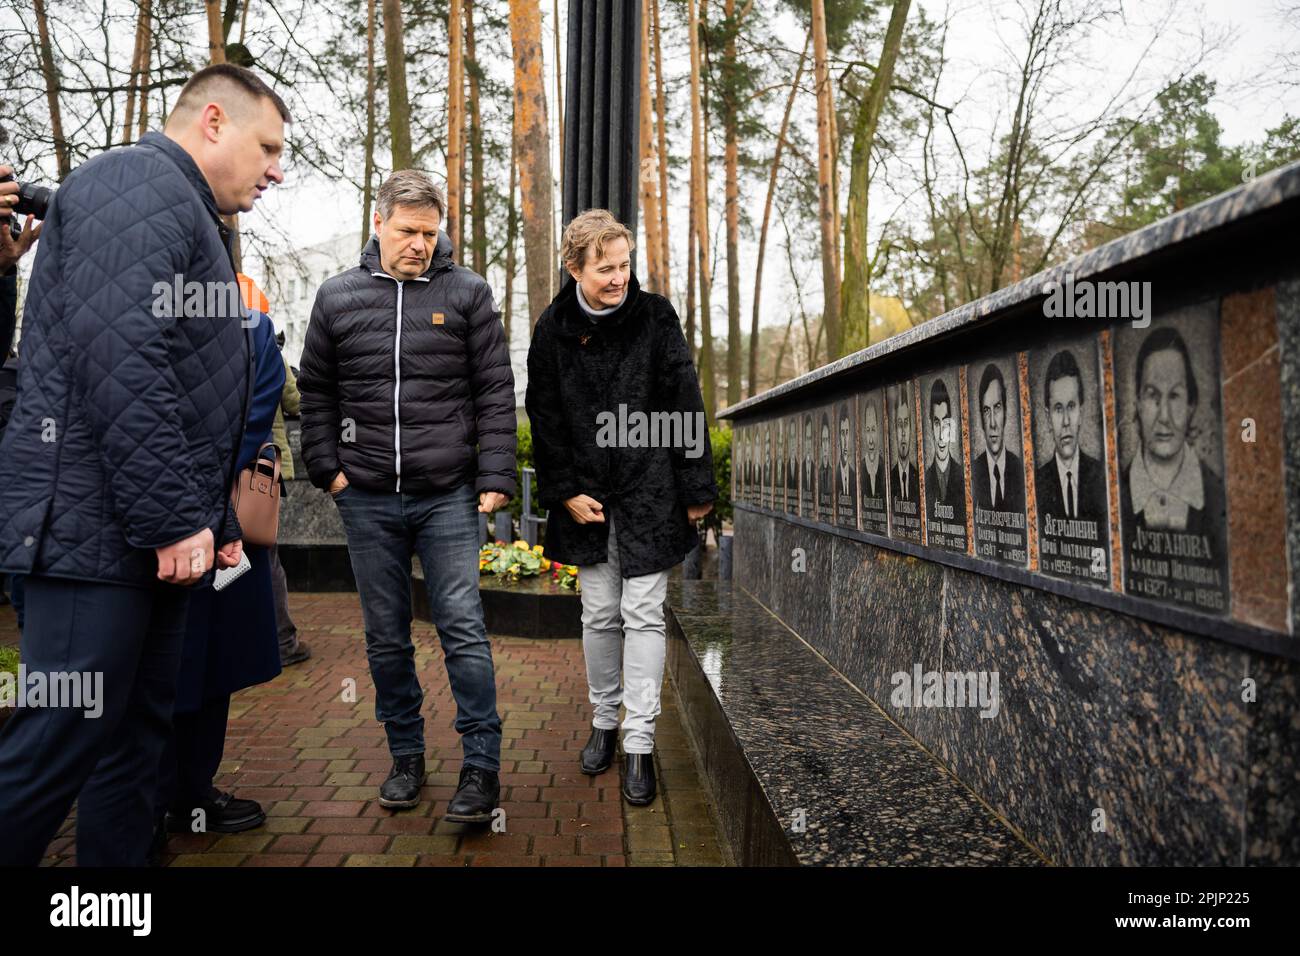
(401, 790)
(639, 779)
(476, 796)
(598, 755)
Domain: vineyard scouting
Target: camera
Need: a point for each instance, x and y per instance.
(33, 200)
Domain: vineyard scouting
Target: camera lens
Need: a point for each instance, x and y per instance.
(33, 200)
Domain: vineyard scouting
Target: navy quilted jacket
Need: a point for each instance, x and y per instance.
(128, 419)
(402, 405)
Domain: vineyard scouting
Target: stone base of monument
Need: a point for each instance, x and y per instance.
(529, 607)
(313, 546)
(804, 769)
(317, 567)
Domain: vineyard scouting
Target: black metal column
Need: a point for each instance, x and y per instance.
(602, 109)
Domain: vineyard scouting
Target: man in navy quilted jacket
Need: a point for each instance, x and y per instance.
(116, 466)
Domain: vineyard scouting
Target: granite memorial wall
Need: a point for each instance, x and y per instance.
(1086, 486)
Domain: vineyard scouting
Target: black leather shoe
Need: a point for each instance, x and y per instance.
(222, 813)
(476, 796)
(401, 790)
(639, 779)
(598, 755)
(300, 653)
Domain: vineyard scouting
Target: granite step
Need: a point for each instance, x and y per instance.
(804, 768)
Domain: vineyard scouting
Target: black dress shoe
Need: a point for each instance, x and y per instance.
(300, 653)
(476, 796)
(222, 813)
(639, 779)
(401, 790)
(598, 755)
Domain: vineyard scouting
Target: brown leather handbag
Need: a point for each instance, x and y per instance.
(256, 497)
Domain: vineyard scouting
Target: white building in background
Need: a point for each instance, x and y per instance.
(291, 278)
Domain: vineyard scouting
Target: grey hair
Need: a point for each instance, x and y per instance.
(410, 187)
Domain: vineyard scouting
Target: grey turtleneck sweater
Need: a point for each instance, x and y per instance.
(594, 314)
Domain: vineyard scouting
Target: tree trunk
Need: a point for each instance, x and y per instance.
(661, 118)
(690, 266)
(146, 61)
(699, 203)
(216, 33)
(512, 237)
(731, 164)
(559, 79)
(399, 107)
(478, 241)
(140, 56)
(855, 294)
(826, 198)
(455, 124)
(367, 190)
(647, 175)
(51, 72)
(533, 148)
(767, 219)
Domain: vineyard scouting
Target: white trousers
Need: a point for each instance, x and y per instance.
(623, 642)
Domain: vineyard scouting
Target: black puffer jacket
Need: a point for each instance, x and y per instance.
(636, 356)
(400, 407)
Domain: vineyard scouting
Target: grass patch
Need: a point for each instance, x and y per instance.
(9, 660)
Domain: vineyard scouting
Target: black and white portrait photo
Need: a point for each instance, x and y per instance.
(945, 481)
(1173, 505)
(791, 504)
(778, 465)
(873, 463)
(846, 489)
(765, 488)
(808, 480)
(904, 477)
(997, 468)
(1070, 482)
(825, 467)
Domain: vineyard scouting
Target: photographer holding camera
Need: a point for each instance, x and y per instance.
(16, 199)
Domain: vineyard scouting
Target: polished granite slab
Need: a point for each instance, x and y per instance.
(1098, 711)
(838, 780)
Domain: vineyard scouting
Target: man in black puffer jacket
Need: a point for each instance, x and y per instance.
(115, 469)
(408, 420)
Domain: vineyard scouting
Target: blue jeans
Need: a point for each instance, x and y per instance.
(384, 528)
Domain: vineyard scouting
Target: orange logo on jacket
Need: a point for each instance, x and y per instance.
(438, 318)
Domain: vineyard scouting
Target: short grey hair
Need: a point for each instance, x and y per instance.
(410, 187)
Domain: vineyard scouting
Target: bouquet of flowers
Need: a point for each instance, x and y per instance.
(518, 560)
